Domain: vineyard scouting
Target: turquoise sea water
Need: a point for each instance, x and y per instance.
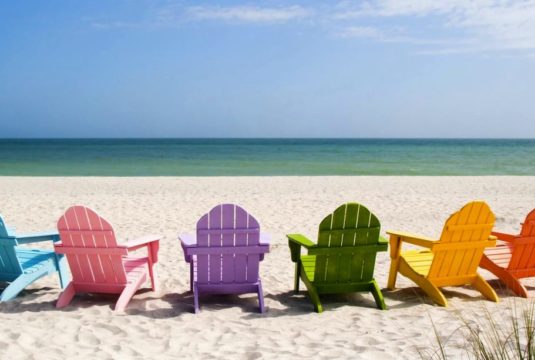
(228, 157)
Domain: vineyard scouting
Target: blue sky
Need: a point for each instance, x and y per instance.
(148, 68)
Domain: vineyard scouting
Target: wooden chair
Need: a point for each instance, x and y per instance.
(514, 256)
(98, 264)
(452, 260)
(225, 253)
(21, 266)
(343, 260)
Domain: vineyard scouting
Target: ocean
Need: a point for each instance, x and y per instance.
(265, 157)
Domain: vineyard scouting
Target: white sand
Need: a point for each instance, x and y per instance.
(163, 324)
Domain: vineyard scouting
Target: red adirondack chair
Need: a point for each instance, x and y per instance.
(514, 257)
(98, 264)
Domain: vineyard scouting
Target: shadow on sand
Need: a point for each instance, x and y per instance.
(288, 303)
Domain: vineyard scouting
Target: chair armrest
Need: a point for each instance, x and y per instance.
(301, 240)
(523, 240)
(397, 238)
(265, 239)
(295, 241)
(142, 241)
(382, 241)
(187, 241)
(504, 236)
(414, 239)
(189, 245)
(382, 244)
(38, 237)
(152, 242)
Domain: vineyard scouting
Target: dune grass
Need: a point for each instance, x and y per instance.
(491, 336)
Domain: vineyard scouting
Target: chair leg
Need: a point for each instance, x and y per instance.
(394, 268)
(191, 276)
(314, 296)
(16, 286)
(128, 292)
(395, 255)
(506, 277)
(154, 278)
(484, 288)
(66, 296)
(377, 295)
(427, 286)
(514, 284)
(297, 276)
(63, 272)
(260, 297)
(195, 298)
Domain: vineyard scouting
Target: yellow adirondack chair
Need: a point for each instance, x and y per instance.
(450, 261)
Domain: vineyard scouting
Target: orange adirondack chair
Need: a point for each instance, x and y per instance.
(98, 264)
(514, 256)
(452, 260)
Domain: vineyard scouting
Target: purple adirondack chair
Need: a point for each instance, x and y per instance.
(225, 254)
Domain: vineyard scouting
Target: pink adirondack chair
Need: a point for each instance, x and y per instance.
(224, 257)
(98, 264)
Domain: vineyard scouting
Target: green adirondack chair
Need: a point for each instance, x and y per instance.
(343, 260)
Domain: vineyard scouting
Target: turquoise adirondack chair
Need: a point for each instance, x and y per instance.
(343, 260)
(20, 266)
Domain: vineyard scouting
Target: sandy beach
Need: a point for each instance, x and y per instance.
(163, 324)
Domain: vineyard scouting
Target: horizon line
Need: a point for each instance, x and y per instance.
(266, 138)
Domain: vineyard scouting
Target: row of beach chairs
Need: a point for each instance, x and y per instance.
(225, 253)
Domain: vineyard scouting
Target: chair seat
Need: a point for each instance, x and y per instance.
(419, 260)
(135, 267)
(500, 255)
(33, 260)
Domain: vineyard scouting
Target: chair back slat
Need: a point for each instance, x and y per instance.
(227, 226)
(523, 255)
(473, 223)
(10, 266)
(101, 262)
(350, 226)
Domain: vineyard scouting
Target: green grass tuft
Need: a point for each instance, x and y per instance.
(493, 336)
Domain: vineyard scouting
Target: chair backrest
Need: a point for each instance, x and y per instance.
(528, 227)
(91, 248)
(347, 245)
(10, 266)
(523, 256)
(3, 228)
(463, 240)
(225, 228)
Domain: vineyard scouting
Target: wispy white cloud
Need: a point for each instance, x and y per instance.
(173, 15)
(378, 34)
(348, 9)
(105, 25)
(364, 32)
(480, 25)
(436, 26)
(250, 14)
(395, 35)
